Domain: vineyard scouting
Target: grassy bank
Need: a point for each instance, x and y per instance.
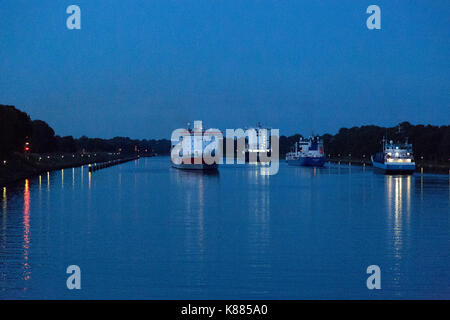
(20, 166)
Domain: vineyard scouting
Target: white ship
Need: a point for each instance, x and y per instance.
(395, 158)
(192, 155)
(258, 146)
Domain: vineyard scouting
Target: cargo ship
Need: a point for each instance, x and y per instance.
(395, 158)
(261, 146)
(191, 150)
(307, 152)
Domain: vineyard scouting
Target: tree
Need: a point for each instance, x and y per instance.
(15, 127)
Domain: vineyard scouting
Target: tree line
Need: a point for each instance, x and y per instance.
(430, 142)
(16, 128)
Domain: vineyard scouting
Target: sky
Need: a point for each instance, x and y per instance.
(144, 68)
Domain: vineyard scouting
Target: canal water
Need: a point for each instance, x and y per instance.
(143, 230)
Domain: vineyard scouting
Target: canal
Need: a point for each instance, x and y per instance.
(144, 230)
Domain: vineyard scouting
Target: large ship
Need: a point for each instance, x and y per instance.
(260, 145)
(191, 150)
(307, 152)
(395, 158)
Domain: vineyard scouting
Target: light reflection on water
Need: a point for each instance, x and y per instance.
(259, 237)
(396, 195)
(26, 231)
(4, 220)
(165, 233)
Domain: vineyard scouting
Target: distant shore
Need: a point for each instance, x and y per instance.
(20, 166)
(421, 165)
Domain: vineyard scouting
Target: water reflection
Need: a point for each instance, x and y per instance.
(421, 187)
(259, 236)
(398, 197)
(26, 230)
(201, 204)
(3, 237)
(237, 232)
(4, 215)
(4, 200)
(192, 184)
(82, 176)
(308, 172)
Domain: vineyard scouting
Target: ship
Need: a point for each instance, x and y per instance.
(396, 158)
(260, 146)
(191, 150)
(307, 152)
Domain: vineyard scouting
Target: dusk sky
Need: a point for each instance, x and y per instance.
(144, 68)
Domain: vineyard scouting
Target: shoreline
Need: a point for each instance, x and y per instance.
(421, 166)
(20, 167)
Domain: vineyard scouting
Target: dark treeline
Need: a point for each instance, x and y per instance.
(16, 128)
(125, 145)
(430, 142)
(286, 143)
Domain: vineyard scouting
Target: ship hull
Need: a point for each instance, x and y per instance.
(197, 167)
(307, 161)
(195, 164)
(388, 168)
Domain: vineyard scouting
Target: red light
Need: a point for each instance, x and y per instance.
(27, 149)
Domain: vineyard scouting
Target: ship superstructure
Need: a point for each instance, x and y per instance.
(193, 152)
(395, 158)
(258, 145)
(307, 152)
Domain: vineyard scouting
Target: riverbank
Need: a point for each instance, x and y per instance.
(421, 165)
(20, 166)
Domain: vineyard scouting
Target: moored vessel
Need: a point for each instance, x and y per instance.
(307, 152)
(395, 158)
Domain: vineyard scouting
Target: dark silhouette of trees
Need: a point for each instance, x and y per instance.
(124, 145)
(287, 142)
(430, 142)
(15, 127)
(66, 144)
(43, 137)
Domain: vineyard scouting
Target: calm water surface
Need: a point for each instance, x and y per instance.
(147, 231)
